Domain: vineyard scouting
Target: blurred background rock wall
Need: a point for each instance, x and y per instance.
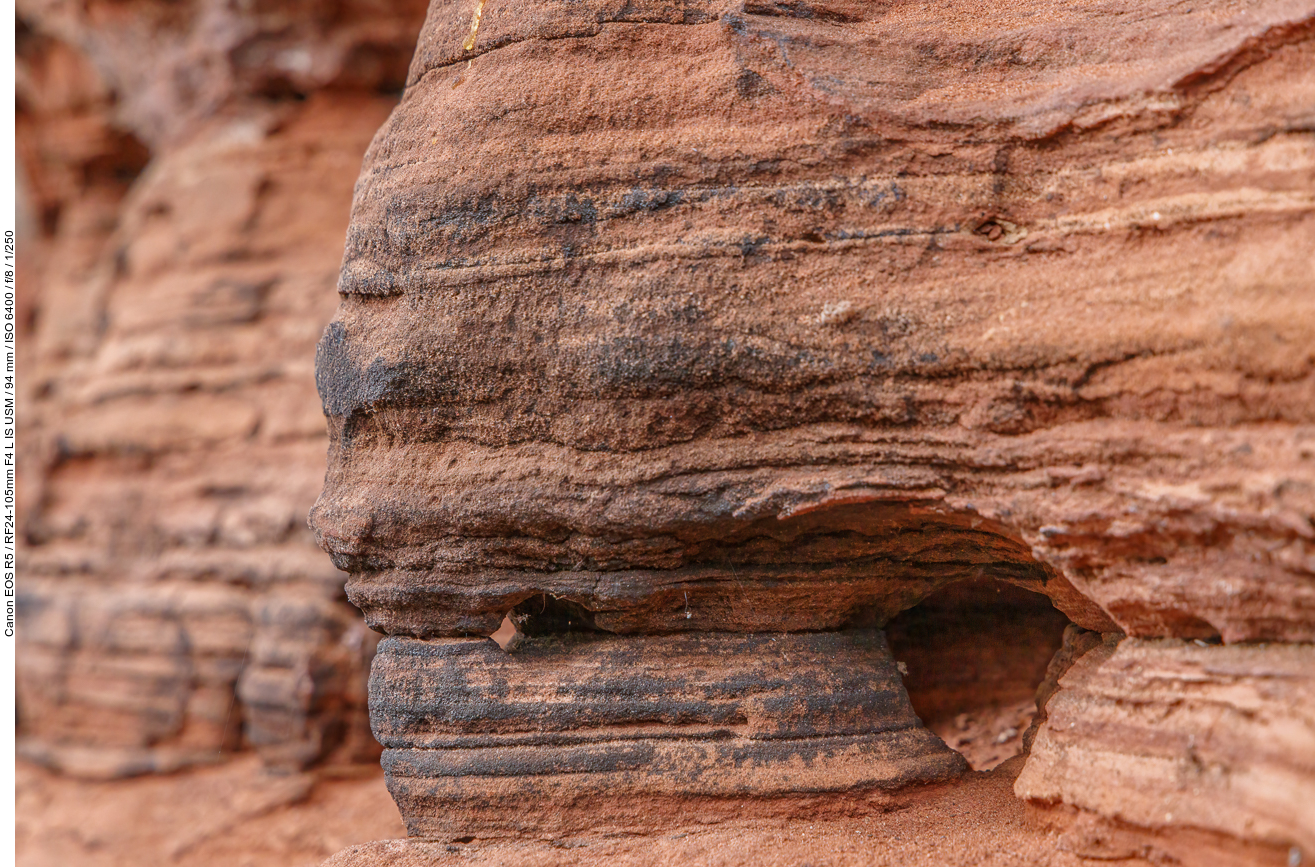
(186, 171)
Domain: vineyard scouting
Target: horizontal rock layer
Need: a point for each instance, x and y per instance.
(120, 680)
(653, 321)
(126, 669)
(846, 565)
(1166, 734)
(303, 690)
(576, 732)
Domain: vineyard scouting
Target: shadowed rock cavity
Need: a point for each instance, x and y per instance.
(975, 653)
(713, 323)
(753, 673)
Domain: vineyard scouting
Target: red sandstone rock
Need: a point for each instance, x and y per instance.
(172, 66)
(630, 734)
(749, 317)
(172, 438)
(303, 689)
(1164, 734)
(649, 321)
(669, 318)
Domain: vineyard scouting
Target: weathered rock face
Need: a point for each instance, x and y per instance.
(631, 337)
(717, 317)
(173, 602)
(590, 733)
(1218, 738)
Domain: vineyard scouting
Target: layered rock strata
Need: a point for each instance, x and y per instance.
(115, 681)
(583, 732)
(1164, 733)
(734, 317)
(188, 212)
(304, 685)
(615, 348)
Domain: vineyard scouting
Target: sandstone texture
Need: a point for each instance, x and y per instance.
(978, 822)
(187, 173)
(730, 321)
(1216, 738)
(597, 734)
(237, 812)
(792, 386)
(762, 303)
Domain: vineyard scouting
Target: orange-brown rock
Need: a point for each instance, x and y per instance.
(170, 67)
(304, 686)
(605, 733)
(728, 328)
(188, 213)
(719, 317)
(650, 321)
(1164, 733)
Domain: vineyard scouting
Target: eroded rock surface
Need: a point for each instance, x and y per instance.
(187, 219)
(742, 318)
(596, 733)
(613, 330)
(1163, 733)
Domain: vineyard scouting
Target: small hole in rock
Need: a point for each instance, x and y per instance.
(506, 634)
(975, 653)
(545, 614)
